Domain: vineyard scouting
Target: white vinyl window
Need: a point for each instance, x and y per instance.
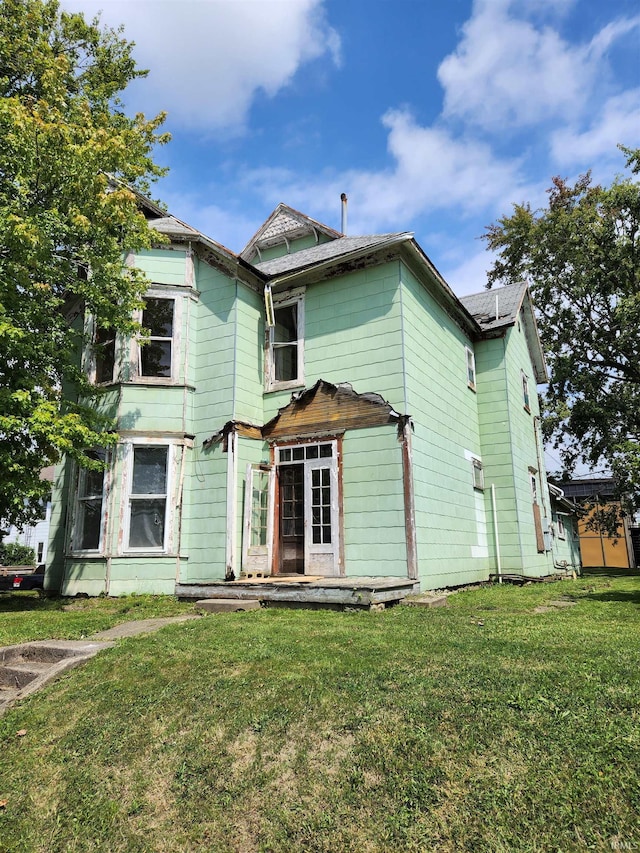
(478, 474)
(87, 529)
(471, 368)
(285, 341)
(148, 491)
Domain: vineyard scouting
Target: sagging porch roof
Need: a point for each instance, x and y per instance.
(324, 409)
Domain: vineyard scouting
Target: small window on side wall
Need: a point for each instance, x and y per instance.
(478, 474)
(471, 368)
(285, 357)
(525, 392)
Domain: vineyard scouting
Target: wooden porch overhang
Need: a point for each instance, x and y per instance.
(360, 592)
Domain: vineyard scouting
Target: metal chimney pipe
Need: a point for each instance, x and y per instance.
(343, 199)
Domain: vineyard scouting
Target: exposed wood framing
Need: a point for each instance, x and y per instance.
(409, 500)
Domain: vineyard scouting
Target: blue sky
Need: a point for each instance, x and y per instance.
(434, 116)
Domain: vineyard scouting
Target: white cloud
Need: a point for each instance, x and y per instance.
(617, 122)
(224, 225)
(510, 71)
(209, 60)
(470, 275)
(431, 171)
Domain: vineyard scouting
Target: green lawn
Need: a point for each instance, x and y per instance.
(483, 726)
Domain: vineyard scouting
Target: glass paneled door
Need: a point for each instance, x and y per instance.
(258, 519)
(309, 512)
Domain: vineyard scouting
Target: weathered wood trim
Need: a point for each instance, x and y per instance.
(409, 500)
(231, 504)
(329, 408)
(341, 563)
(275, 551)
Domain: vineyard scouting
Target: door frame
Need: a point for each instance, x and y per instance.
(337, 516)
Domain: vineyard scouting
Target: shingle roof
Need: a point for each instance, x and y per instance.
(326, 252)
(173, 227)
(507, 300)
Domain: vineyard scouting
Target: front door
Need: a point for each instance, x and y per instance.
(309, 514)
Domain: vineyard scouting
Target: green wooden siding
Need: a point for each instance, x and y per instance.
(249, 348)
(373, 501)
(165, 266)
(451, 524)
(509, 448)
(214, 356)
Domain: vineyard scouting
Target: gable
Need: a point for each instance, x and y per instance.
(286, 230)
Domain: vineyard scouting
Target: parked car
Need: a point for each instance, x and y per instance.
(21, 577)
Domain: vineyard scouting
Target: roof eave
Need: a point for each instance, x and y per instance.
(284, 279)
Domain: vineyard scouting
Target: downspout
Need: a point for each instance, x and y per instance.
(543, 491)
(495, 532)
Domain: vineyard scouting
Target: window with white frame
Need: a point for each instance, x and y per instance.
(562, 533)
(525, 392)
(471, 368)
(87, 530)
(155, 355)
(148, 491)
(285, 360)
(478, 474)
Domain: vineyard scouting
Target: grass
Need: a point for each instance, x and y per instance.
(489, 725)
(25, 616)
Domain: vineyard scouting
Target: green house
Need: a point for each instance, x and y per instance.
(318, 405)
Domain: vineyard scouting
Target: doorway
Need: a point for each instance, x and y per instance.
(291, 480)
(309, 532)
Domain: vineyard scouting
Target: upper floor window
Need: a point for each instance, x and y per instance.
(87, 531)
(478, 474)
(156, 354)
(285, 357)
(525, 392)
(104, 354)
(471, 368)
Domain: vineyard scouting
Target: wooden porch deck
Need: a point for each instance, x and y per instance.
(305, 591)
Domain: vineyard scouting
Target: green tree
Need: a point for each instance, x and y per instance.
(581, 258)
(69, 156)
(14, 554)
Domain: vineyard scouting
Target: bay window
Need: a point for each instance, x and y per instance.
(148, 497)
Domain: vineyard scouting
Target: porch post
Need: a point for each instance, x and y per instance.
(409, 500)
(232, 485)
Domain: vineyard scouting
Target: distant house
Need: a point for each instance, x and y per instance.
(599, 549)
(318, 404)
(36, 535)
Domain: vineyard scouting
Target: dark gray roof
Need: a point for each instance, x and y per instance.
(327, 252)
(482, 306)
